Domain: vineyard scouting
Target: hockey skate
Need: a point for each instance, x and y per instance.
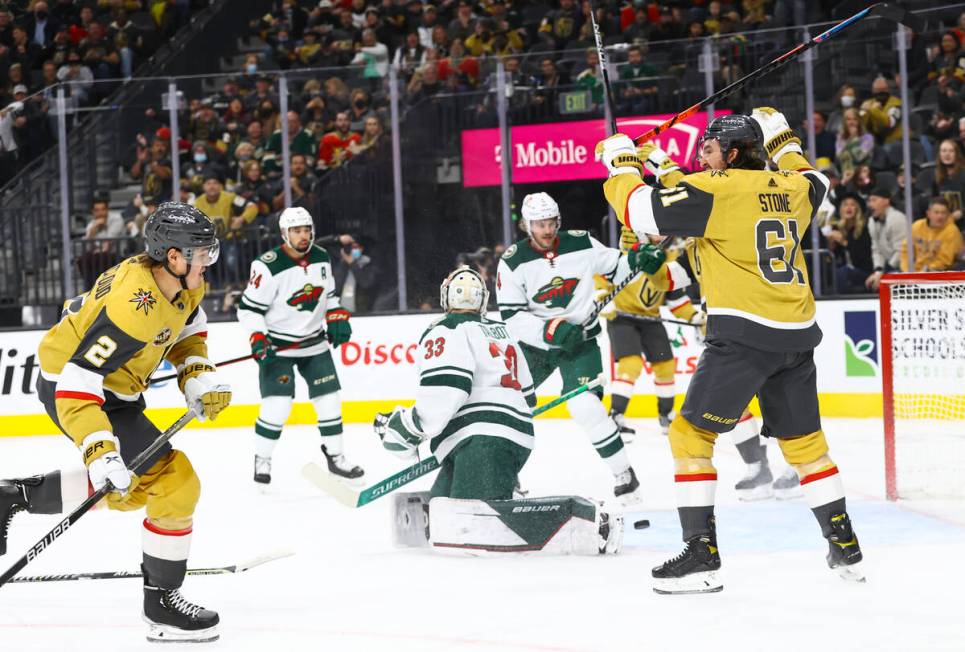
(788, 485)
(172, 619)
(664, 421)
(627, 489)
(756, 484)
(12, 501)
(611, 532)
(262, 469)
(627, 434)
(338, 465)
(844, 553)
(692, 571)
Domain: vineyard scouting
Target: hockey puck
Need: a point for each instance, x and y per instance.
(642, 524)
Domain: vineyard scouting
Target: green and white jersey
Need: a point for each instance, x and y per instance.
(288, 299)
(535, 286)
(473, 381)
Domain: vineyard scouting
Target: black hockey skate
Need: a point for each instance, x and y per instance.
(262, 469)
(12, 501)
(844, 553)
(627, 488)
(756, 485)
(172, 619)
(692, 571)
(338, 465)
(627, 434)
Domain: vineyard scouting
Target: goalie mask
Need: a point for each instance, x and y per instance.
(539, 206)
(464, 289)
(292, 217)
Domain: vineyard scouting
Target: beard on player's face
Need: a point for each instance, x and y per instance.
(544, 232)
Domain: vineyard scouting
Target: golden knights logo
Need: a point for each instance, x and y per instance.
(143, 300)
(307, 298)
(557, 293)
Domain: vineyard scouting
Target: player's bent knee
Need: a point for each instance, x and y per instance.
(804, 450)
(629, 368)
(689, 441)
(664, 371)
(275, 410)
(174, 491)
(328, 405)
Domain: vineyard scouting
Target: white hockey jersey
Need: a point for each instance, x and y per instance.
(473, 381)
(287, 299)
(535, 286)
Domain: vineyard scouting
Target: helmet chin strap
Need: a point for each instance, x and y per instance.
(181, 277)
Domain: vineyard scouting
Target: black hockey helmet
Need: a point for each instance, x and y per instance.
(738, 132)
(183, 227)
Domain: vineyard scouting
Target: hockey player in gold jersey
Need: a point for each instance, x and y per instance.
(761, 328)
(95, 365)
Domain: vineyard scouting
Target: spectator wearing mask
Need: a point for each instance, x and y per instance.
(303, 184)
(356, 276)
(300, 141)
(888, 229)
(947, 178)
(205, 161)
(40, 25)
(938, 242)
(359, 109)
(333, 151)
(850, 244)
(846, 98)
(882, 113)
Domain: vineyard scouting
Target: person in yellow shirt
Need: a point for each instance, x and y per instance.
(230, 213)
(881, 113)
(938, 242)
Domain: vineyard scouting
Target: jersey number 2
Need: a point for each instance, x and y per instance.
(511, 360)
(776, 261)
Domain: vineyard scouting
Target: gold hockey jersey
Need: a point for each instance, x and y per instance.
(748, 225)
(647, 293)
(112, 338)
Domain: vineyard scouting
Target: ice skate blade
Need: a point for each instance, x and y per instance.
(706, 582)
(788, 494)
(158, 633)
(852, 573)
(760, 492)
(632, 499)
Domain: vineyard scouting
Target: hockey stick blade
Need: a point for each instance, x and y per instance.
(120, 575)
(898, 14)
(331, 485)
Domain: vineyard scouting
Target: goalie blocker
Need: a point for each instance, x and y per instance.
(562, 525)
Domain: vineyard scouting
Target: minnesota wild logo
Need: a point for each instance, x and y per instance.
(143, 300)
(307, 298)
(557, 293)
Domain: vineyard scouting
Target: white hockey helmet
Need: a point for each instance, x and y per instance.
(292, 217)
(539, 206)
(464, 289)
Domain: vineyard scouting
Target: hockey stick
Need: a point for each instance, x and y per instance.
(117, 575)
(655, 320)
(93, 499)
(598, 306)
(601, 55)
(351, 497)
(886, 10)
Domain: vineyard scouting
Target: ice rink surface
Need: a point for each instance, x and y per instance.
(348, 589)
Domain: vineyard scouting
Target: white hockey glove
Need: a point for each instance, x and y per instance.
(656, 160)
(202, 390)
(699, 319)
(399, 432)
(103, 459)
(779, 138)
(619, 155)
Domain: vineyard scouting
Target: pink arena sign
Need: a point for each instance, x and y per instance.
(563, 151)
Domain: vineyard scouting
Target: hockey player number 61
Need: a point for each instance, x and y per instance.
(511, 360)
(773, 231)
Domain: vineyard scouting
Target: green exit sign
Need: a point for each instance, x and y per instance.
(575, 102)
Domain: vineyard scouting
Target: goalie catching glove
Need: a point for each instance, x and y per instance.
(399, 432)
(779, 138)
(619, 155)
(202, 391)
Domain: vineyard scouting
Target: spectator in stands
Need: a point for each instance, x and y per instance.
(458, 71)
(854, 145)
(104, 224)
(589, 80)
(99, 53)
(669, 27)
(947, 178)
(121, 24)
(356, 275)
(33, 133)
(563, 24)
(230, 214)
(359, 109)
(849, 240)
(282, 47)
(888, 228)
(263, 94)
(464, 24)
(303, 184)
(345, 34)
(430, 20)
(255, 136)
(25, 51)
(373, 146)
(882, 112)
(11, 118)
(316, 116)
(334, 150)
(254, 188)
(638, 32)
(152, 167)
(40, 25)
(638, 91)
(440, 42)
(205, 125)
(938, 242)
(949, 66)
(547, 86)
(846, 98)
(205, 161)
(336, 94)
(824, 140)
(919, 200)
(79, 79)
(300, 141)
(267, 113)
(410, 56)
(6, 26)
(862, 181)
(375, 57)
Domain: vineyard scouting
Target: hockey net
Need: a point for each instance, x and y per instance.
(923, 384)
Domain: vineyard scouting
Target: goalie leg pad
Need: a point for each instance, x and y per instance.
(410, 519)
(567, 525)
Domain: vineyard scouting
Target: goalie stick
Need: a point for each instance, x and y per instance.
(92, 500)
(117, 575)
(353, 497)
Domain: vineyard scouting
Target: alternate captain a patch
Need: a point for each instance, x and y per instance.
(306, 298)
(143, 300)
(557, 293)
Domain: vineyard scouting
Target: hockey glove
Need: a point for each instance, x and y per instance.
(779, 138)
(261, 348)
(645, 257)
(656, 160)
(561, 333)
(338, 330)
(699, 319)
(104, 463)
(202, 391)
(619, 155)
(399, 432)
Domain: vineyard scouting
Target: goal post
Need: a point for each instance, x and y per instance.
(922, 319)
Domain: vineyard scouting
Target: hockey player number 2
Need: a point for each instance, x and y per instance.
(512, 364)
(100, 351)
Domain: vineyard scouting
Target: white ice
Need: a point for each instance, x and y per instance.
(348, 589)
